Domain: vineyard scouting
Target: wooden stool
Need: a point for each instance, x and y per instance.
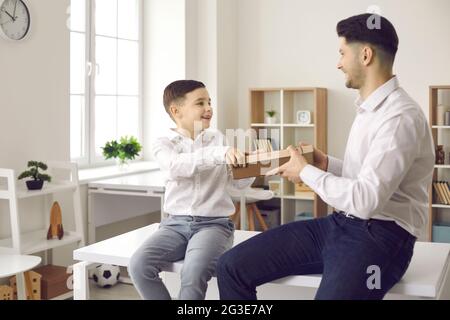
(252, 211)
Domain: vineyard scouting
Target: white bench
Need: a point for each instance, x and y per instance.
(427, 276)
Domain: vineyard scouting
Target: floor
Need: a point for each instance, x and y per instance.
(120, 291)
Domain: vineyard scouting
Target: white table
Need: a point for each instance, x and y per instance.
(112, 200)
(427, 276)
(118, 199)
(11, 265)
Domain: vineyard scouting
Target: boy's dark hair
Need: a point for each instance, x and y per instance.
(176, 91)
(370, 28)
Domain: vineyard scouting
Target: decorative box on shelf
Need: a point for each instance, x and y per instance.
(302, 216)
(441, 232)
(55, 281)
(274, 186)
(302, 189)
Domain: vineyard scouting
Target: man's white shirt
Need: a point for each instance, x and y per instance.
(388, 162)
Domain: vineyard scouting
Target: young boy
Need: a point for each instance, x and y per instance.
(198, 227)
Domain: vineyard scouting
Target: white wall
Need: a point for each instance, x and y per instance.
(227, 64)
(34, 101)
(294, 43)
(34, 89)
(164, 61)
(216, 56)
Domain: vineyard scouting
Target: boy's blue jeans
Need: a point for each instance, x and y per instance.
(359, 259)
(198, 240)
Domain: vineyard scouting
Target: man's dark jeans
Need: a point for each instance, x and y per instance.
(359, 259)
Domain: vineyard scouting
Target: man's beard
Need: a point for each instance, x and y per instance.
(351, 84)
(348, 84)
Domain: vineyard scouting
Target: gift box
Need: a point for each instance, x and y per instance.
(259, 164)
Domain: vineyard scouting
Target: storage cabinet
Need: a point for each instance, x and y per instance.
(64, 179)
(287, 129)
(439, 95)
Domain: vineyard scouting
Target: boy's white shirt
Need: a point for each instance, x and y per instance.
(197, 174)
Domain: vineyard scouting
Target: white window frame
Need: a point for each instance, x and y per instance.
(91, 159)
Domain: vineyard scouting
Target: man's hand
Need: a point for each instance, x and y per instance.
(235, 157)
(320, 158)
(291, 169)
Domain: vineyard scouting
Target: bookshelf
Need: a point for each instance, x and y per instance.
(287, 131)
(438, 95)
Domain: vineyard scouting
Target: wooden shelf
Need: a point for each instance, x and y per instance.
(440, 87)
(278, 125)
(265, 125)
(293, 125)
(442, 206)
(36, 241)
(434, 92)
(288, 101)
(48, 188)
(306, 196)
(442, 166)
(293, 197)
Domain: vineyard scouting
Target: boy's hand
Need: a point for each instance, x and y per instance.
(320, 158)
(235, 157)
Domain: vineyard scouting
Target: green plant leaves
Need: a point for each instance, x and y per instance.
(111, 150)
(271, 113)
(25, 174)
(44, 177)
(127, 149)
(34, 173)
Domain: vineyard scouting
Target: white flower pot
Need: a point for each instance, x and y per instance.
(122, 165)
(271, 120)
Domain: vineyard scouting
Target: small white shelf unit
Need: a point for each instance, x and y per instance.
(33, 242)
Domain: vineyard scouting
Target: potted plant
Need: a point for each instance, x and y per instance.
(271, 119)
(127, 149)
(33, 172)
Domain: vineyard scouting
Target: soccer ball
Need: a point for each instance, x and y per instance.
(106, 275)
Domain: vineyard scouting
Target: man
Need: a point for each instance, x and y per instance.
(379, 191)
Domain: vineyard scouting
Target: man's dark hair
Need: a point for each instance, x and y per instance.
(372, 29)
(176, 91)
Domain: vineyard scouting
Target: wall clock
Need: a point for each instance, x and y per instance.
(14, 19)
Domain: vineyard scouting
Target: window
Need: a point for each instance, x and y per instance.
(105, 77)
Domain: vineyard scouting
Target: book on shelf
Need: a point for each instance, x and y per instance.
(446, 191)
(442, 192)
(437, 194)
(263, 145)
